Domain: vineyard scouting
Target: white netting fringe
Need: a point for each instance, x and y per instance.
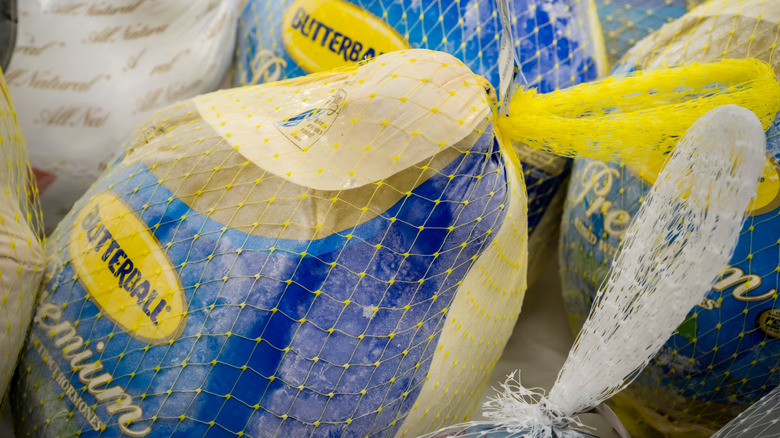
(680, 240)
(522, 409)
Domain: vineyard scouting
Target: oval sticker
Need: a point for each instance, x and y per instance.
(767, 197)
(768, 322)
(126, 272)
(324, 34)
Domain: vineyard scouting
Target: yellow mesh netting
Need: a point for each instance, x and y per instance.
(626, 22)
(21, 252)
(635, 117)
(343, 254)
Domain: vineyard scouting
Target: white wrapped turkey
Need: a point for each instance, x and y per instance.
(85, 73)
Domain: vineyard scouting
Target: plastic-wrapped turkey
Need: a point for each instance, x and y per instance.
(342, 253)
(84, 73)
(21, 250)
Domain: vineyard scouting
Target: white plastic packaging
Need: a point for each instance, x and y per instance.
(83, 74)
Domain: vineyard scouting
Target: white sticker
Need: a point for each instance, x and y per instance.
(306, 128)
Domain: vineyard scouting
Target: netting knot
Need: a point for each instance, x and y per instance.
(519, 408)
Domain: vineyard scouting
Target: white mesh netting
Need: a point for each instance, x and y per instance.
(762, 420)
(683, 235)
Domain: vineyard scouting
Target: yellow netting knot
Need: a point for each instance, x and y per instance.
(640, 116)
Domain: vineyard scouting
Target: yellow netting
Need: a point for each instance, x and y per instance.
(626, 22)
(21, 252)
(633, 118)
(336, 255)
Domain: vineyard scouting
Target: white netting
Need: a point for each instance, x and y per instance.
(762, 420)
(682, 237)
(677, 244)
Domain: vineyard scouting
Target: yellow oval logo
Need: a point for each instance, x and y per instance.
(325, 34)
(125, 271)
(767, 197)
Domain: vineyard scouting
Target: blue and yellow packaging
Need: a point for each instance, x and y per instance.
(339, 254)
(557, 44)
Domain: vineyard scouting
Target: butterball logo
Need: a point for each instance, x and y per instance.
(325, 34)
(125, 271)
